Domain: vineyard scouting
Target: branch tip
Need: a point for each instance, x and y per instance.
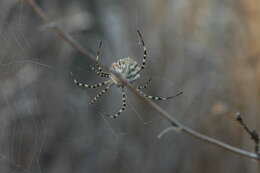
(238, 116)
(252, 133)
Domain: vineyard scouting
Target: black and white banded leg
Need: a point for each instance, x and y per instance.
(158, 98)
(144, 48)
(98, 69)
(99, 72)
(81, 84)
(100, 94)
(123, 107)
(145, 85)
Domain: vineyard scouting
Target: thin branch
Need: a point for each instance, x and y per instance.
(171, 128)
(174, 122)
(62, 34)
(252, 133)
(187, 130)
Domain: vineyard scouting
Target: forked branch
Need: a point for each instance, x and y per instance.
(252, 133)
(182, 128)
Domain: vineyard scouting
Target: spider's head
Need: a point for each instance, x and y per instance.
(127, 68)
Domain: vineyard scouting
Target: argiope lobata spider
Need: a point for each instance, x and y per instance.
(129, 70)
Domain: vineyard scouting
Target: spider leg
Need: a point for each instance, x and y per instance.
(158, 98)
(99, 73)
(81, 84)
(144, 48)
(92, 101)
(98, 69)
(145, 85)
(123, 107)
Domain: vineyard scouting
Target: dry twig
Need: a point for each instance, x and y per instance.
(62, 34)
(162, 112)
(252, 133)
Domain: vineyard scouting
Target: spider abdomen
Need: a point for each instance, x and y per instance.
(127, 68)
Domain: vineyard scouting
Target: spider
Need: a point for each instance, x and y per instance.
(129, 70)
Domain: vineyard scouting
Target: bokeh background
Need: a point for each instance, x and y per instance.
(207, 48)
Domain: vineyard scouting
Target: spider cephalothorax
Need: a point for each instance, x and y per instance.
(129, 70)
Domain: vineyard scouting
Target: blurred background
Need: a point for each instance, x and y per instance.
(207, 48)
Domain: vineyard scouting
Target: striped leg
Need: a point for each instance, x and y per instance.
(145, 85)
(123, 107)
(145, 51)
(100, 94)
(98, 72)
(158, 98)
(98, 68)
(80, 84)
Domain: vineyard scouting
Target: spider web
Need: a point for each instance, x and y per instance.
(22, 135)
